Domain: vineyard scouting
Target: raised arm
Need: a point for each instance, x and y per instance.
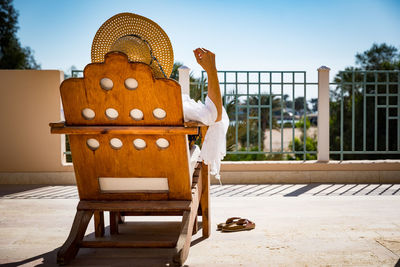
(206, 60)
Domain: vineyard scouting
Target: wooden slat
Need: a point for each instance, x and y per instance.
(135, 206)
(99, 223)
(205, 200)
(57, 128)
(128, 244)
(194, 124)
(113, 223)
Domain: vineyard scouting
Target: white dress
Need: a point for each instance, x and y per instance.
(214, 145)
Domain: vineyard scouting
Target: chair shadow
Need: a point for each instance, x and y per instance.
(111, 256)
(302, 190)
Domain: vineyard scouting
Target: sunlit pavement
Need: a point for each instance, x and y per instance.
(296, 225)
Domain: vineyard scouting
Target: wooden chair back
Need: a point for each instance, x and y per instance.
(111, 85)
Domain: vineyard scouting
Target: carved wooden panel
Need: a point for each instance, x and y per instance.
(99, 157)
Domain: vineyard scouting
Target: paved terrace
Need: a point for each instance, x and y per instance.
(296, 225)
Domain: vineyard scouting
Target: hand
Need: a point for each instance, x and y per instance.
(206, 59)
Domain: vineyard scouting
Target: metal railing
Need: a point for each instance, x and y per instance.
(349, 92)
(364, 114)
(259, 100)
(375, 96)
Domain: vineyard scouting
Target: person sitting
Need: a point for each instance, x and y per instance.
(211, 113)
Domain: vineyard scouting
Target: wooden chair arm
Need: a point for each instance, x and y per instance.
(61, 128)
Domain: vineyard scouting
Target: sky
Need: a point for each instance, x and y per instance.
(244, 35)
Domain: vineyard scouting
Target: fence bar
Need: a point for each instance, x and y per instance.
(387, 112)
(293, 100)
(247, 113)
(323, 113)
(225, 89)
(352, 112)
(304, 118)
(259, 113)
(364, 111)
(398, 111)
(341, 119)
(270, 112)
(282, 105)
(236, 115)
(376, 113)
(202, 86)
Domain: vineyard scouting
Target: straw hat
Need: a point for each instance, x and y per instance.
(140, 38)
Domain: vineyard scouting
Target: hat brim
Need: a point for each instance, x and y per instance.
(126, 24)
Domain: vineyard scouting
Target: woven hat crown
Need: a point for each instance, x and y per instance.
(141, 39)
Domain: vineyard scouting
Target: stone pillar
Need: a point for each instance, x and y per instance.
(323, 113)
(184, 79)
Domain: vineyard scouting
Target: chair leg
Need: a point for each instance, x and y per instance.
(205, 201)
(99, 223)
(121, 217)
(184, 240)
(185, 236)
(195, 226)
(70, 248)
(113, 222)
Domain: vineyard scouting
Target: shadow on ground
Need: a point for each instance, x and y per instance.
(118, 256)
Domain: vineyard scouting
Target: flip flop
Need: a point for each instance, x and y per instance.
(240, 225)
(228, 221)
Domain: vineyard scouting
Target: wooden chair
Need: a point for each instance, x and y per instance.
(130, 153)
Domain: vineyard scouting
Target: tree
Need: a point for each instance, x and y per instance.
(12, 54)
(379, 57)
(314, 103)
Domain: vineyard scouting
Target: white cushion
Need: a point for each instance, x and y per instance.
(134, 184)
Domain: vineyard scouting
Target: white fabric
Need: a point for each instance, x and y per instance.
(214, 145)
(194, 158)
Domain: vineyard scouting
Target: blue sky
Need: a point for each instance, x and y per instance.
(245, 35)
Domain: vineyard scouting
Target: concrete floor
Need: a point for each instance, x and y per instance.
(296, 225)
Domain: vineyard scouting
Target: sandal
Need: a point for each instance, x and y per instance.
(228, 221)
(239, 225)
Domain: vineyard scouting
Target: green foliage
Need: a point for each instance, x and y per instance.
(300, 124)
(68, 149)
(12, 55)
(251, 157)
(311, 145)
(379, 57)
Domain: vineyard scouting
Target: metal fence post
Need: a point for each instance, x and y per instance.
(184, 79)
(323, 113)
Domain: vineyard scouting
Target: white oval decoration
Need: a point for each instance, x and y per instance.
(116, 143)
(159, 113)
(136, 114)
(106, 83)
(162, 143)
(88, 114)
(131, 84)
(93, 144)
(112, 113)
(139, 144)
